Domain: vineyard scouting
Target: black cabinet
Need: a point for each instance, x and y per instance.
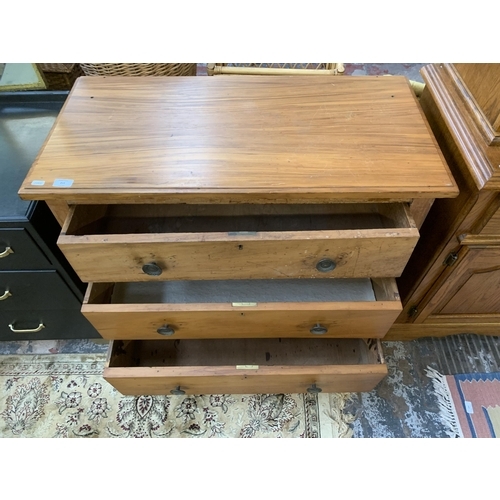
(40, 295)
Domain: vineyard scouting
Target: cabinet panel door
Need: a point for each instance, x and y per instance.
(473, 288)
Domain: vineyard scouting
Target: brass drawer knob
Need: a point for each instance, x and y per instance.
(318, 329)
(314, 389)
(177, 391)
(152, 269)
(326, 265)
(165, 330)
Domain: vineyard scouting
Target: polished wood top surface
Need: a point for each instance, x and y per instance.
(239, 138)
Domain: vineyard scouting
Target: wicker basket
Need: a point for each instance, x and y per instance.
(60, 76)
(56, 67)
(275, 68)
(139, 69)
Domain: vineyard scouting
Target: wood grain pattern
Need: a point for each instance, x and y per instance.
(224, 320)
(240, 138)
(293, 372)
(493, 225)
(448, 219)
(473, 287)
(376, 253)
(138, 381)
(286, 242)
(483, 83)
(438, 299)
(481, 158)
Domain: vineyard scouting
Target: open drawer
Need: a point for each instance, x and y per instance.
(360, 308)
(161, 242)
(243, 366)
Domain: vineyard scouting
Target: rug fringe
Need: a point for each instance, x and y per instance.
(446, 407)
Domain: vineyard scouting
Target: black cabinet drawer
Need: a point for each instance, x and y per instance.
(19, 251)
(35, 290)
(45, 325)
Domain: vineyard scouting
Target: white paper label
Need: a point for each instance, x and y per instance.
(37, 183)
(243, 304)
(468, 407)
(247, 367)
(63, 183)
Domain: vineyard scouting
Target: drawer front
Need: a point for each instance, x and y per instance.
(257, 367)
(35, 290)
(304, 317)
(19, 251)
(280, 246)
(45, 325)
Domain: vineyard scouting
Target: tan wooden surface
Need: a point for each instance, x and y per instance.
(60, 209)
(463, 297)
(449, 220)
(493, 225)
(243, 367)
(374, 253)
(472, 288)
(348, 320)
(483, 82)
(138, 381)
(225, 320)
(239, 138)
(102, 245)
(453, 109)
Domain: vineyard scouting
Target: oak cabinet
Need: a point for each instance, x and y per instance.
(451, 282)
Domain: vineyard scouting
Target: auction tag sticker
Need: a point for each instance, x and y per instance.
(468, 407)
(63, 183)
(37, 183)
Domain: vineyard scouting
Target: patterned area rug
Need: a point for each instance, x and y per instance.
(469, 404)
(65, 396)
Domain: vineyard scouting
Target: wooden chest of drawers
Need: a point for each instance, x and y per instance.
(240, 234)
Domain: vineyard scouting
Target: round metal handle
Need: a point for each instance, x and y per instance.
(6, 295)
(34, 330)
(165, 330)
(6, 252)
(177, 391)
(326, 265)
(152, 269)
(318, 329)
(314, 390)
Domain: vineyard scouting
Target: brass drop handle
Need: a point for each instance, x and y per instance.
(152, 269)
(6, 295)
(318, 329)
(165, 330)
(177, 391)
(326, 265)
(6, 252)
(34, 330)
(314, 389)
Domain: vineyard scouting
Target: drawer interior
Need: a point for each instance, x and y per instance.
(223, 291)
(140, 219)
(244, 352)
